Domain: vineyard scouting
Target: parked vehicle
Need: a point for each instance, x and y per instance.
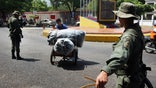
(150, 45)
(45, 22)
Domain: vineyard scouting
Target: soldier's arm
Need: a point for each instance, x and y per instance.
(119, 56)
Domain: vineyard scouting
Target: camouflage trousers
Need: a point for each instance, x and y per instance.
(15, 44)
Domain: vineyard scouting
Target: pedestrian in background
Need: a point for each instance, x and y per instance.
(15, 34)
(126, 58)
(60, 25)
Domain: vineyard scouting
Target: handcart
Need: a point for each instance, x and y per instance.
(73, 39)
(73, 55)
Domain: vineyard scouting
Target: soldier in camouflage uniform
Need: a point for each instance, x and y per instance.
(15, 34)
(126, 58)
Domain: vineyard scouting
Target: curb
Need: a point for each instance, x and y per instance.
(97, 37)
(105, 37)
(102, 37)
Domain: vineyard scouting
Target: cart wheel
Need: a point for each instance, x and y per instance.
(52, 57)
(75, 56)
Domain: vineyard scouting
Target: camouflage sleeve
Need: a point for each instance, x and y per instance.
(119, 56)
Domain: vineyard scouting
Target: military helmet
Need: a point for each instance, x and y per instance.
(126, 10)
(16, 13)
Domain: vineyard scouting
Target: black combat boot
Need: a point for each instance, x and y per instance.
(13, 54)
(18, 56)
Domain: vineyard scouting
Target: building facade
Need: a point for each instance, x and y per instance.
(150, 15)
(65, 16)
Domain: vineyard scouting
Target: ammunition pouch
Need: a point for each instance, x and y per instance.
(123, 81)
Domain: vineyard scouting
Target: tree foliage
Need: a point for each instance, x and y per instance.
(8, 6)
(39, 5)
(11, 5)
(155, 6)
(70, 4)
(92, 5)
(141, 8)
(67, 5)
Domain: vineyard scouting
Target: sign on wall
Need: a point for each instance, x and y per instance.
(52, 16)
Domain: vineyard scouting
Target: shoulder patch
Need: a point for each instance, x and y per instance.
(126, 42)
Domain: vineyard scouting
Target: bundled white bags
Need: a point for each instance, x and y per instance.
(64, 46)
(76, 36)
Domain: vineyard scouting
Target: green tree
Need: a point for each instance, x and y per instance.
(155, 6)
(39, 5)
(92, 5)
(68, 5)
(11, 5)
(141, 8)
(8, 6)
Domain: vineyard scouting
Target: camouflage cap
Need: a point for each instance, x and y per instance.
(126, 10)
(16, 13)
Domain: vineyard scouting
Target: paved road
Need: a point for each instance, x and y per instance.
(35, 70)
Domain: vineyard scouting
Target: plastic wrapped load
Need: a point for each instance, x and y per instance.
(63, 46)
(52, 37)
(76, 36)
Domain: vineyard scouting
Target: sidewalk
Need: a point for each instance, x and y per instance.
(103, 35)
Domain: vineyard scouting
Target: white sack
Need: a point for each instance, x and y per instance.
(63, 46)
(76, 36)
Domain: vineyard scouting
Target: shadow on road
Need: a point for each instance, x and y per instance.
(81, 64)
(30, 59)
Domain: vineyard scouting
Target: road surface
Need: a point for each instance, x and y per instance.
(35, 70)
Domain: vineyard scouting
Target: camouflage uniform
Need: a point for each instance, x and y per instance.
(15, 34)
(126, 58)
